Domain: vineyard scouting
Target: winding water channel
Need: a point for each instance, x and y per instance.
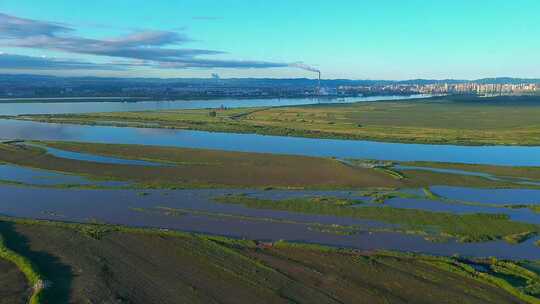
(489, 155)
(119, 207)
(42, 199)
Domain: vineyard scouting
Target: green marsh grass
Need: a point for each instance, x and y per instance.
(476, 227)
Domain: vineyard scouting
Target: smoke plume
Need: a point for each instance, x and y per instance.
(306, 67)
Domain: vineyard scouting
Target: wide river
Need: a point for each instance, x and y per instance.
(89, 106)
(12, 129)
(491, 155)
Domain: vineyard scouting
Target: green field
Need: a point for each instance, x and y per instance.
(440, 120)
(197, 168)
(111, 264)
(201, 168)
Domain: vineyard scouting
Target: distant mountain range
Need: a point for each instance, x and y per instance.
(54, 81)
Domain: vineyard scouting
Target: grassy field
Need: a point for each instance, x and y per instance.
(440, 120)
(106, 264)
(196, 168)
(202, 168)
(467, 227)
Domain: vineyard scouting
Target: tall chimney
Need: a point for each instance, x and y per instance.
(319, 84)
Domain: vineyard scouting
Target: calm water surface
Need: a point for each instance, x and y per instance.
(20, 108)
(520, 215)
(115, 206)
(96, 158)
(489, 196)
(491, 155)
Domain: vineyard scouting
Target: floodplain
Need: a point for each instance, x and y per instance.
(467, 231)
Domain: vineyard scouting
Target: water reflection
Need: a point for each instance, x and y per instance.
(489, 196)
(520, 215)
(16, 174)
(117, 207)
(19, 108)
(491, 155)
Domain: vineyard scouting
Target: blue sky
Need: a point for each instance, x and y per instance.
(384, 39)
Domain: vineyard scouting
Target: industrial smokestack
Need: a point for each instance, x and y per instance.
(306, 67)
(319, 85)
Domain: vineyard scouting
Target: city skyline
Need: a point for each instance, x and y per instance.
(282, 39)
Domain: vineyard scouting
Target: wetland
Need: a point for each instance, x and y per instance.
(225, 196)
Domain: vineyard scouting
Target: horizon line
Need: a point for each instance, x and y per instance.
(279, 78)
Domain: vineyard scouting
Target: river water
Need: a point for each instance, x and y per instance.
(10, 129)
(119, 207)
(116, 205)
(92, 106)
(489, 155)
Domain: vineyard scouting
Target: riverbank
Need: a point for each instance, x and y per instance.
(104, 104)
(437, 120)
